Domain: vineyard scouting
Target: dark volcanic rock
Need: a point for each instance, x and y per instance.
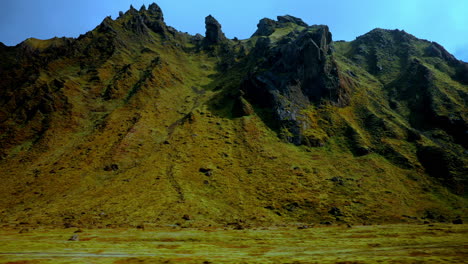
(265, 27)
(146, 19)
(155, 12)
(154, 19)
(335, 211)
(214, 34)
(74, 238)
(298, 72)
(106, 26)
(291, 19)
(138, 25)
(131, 11)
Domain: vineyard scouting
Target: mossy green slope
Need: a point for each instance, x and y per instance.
(136, 123)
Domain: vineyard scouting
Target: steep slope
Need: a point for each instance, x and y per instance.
(136, 123)
(423, 85)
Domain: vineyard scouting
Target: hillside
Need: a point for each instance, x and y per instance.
(135, 123)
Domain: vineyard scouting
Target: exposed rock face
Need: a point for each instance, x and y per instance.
(106, 25)
(146, 19)
(155, 12)
(154, 19)
(131, 11)
(265, 27)
(138, 25)
(291, 19)
(300, 72)
(214, 34)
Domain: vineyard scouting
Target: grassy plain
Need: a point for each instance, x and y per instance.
(435, 243)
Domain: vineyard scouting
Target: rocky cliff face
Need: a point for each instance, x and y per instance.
(297, 71)
(135, 122)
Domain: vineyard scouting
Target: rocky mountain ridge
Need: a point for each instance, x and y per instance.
(137, 123)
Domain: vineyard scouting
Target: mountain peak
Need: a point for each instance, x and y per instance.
(131, 11)
(155, 11)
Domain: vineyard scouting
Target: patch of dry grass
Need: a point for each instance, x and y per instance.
(438, 243)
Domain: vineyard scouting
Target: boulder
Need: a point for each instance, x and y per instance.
(335, 211)
(74, 238)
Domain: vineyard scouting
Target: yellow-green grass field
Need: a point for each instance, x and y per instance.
(434, 243)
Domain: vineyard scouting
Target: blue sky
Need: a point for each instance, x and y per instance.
(443, 21)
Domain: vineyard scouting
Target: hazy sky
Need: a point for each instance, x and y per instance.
(443, 21)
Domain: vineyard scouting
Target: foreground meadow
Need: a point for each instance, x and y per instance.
(437, 243)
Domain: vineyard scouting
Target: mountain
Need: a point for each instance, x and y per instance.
(135, 123)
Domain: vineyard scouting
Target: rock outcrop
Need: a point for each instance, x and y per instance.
(292, 19)
(214, 34)
(146, 19)
(265, 27)
(300, 72)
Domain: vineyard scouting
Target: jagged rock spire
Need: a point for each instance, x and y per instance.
(155, 11)
(214, 34)
(131, 11)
